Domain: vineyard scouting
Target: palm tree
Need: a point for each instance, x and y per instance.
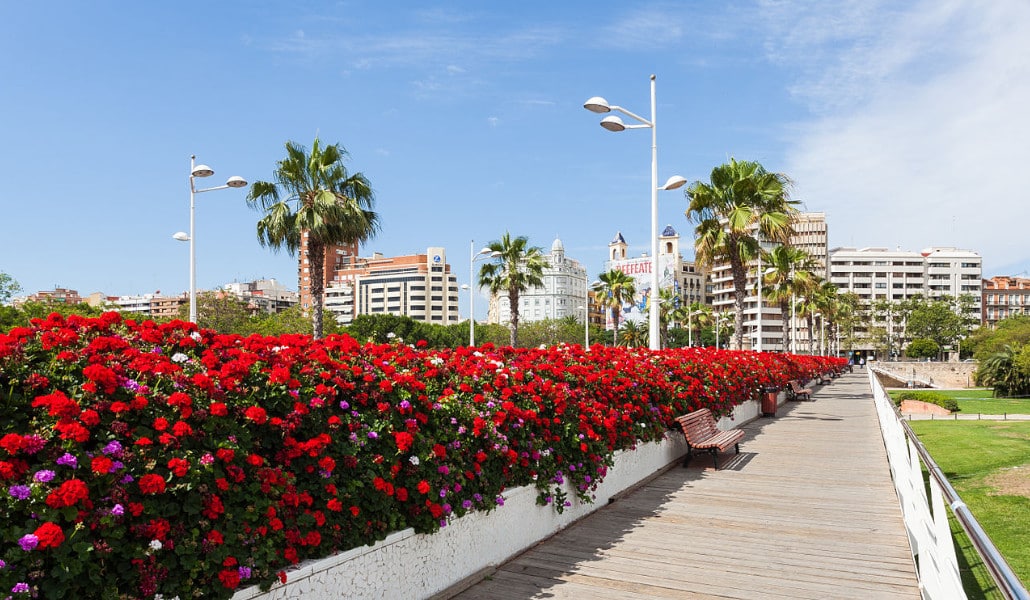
(742, 198)
(616, 289)
(820, 299)
(314, 195)
(517, 267)
(789, 271)
(1001, 371)
(695, 317)
(634, 334)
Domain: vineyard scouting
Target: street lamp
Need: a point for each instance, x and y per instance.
(200, 171)
(586, 328)
(718, 325)
(473, 255)
(614, 123)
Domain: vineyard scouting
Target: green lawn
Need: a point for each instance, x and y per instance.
(988, 463)
(979, 401)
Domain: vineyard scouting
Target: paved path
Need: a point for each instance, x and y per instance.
(807, 510)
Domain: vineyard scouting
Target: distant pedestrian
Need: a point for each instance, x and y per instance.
(861, 363)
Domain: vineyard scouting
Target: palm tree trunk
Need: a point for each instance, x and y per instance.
(739, 272)
(615, 317)
(811, 328)
(785, 317)
(316, 260)
(513, 303)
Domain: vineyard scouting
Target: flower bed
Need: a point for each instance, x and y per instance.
(140, 459)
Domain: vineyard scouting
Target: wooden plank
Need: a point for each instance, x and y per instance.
(807, 510)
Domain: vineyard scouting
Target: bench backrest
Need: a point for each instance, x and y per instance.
(698, 425)
(794, 385)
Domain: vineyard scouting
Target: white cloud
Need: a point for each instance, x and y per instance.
(922, 132)
(493, 121)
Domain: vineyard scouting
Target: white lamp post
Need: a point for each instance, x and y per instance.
(586, 328)
(473, 255)
(200, 171)
(614, 123)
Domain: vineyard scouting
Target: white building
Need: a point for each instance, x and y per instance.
(263, 295)
(563, 293)
(420, 286)
(877, 274)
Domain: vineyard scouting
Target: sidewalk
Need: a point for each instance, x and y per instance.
(807, 510)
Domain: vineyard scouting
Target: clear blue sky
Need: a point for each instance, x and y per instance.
(906, 123)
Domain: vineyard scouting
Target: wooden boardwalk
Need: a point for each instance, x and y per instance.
(807, 510)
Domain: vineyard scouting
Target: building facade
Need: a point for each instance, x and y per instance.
(691, 283)
(563, 293)
(419, 286)
(263, 295)
(878, 274)
(1005, 297)
(811, 234)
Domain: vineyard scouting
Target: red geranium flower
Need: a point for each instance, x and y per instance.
(50, 535)
(70, 493)
(151, 484)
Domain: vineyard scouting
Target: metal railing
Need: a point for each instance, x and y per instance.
(927, 520)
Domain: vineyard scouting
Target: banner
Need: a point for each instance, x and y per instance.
(639, 269)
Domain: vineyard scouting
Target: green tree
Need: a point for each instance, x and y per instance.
(1001, 370)
(8, 287)
(224, 313)
(616, 290)
(634, 334)
(291, 320)
(516, 267)
(740, 199)
(314, 200)
(922, 348)
(385, 328)
(942, 321)
(985, 341)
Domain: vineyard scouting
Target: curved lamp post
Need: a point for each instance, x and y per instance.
(200, 171)
(599, 105)
(473, 255)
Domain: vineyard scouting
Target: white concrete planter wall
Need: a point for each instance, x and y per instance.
(410, 565)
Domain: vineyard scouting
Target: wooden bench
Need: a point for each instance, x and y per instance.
(702, 434)
(824, 378)
(796, 392)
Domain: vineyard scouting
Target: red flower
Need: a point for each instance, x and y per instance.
(151, 484)
(256, 414)
(50, 535)
(218, 409)
(102, 376)
(230, 578)
(215, 537)
(423, 487)
(403, 439)
(179, 466)
(69, 494)
(101, 465)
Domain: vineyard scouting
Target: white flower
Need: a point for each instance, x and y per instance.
(156, 545)
(179, 357)
(413, 460)
(196, 336)
(391, 335)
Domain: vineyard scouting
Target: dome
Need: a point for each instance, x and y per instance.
(557, 246)
(618, 239)
(668, 231)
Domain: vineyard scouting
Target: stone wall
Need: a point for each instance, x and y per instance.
(937, 374)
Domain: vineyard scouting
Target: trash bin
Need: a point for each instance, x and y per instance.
(769, 394)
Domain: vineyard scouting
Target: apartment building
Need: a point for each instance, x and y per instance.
(263, 295)
(420, 286)
(878, 274)
(563, 293)
(1005, 297)
(811, 234)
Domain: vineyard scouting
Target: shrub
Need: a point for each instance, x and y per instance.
(140, 459)
(937, 398)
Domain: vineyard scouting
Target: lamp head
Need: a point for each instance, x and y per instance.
(613, 123)
(236, 182)
(674, 182)
(202, 171)
(182, 236)
(597, 104)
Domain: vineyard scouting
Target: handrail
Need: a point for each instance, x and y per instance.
(1008, 583)
(1001, 572)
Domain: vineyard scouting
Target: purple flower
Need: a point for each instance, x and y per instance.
(68, 460)
(117, 510)
(28, 542)
(442, 469)
(113, 447)
(43, 475)
(244, 572)
(466, 504)
(19, 492)
(372, 435)
(344, 405)
(2, 563)
(405, 404)
(21, 588)
(500, 500)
